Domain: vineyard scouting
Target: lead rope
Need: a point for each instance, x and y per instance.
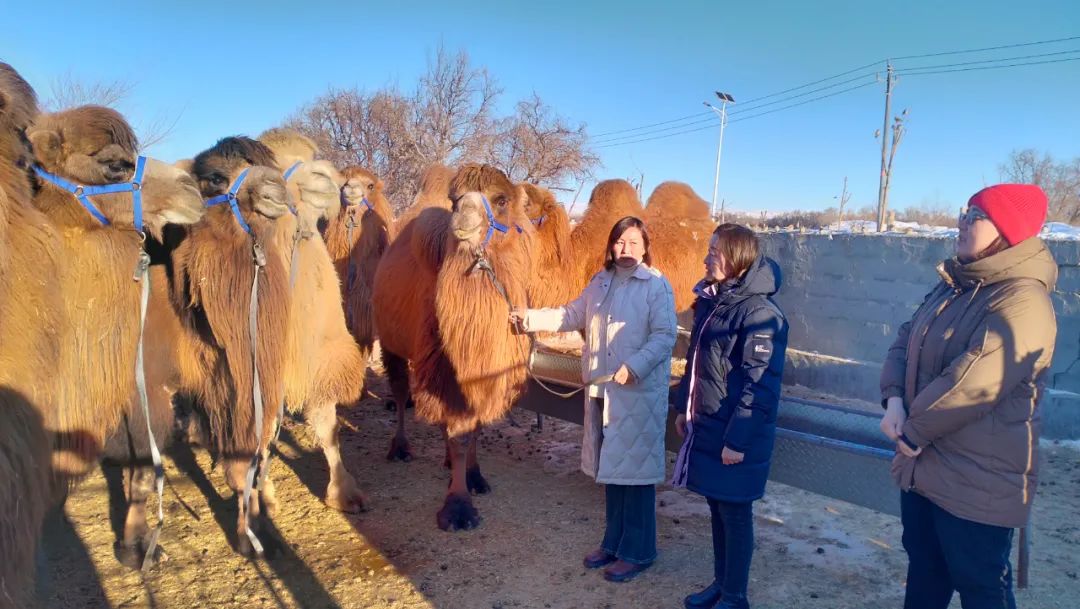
(256, 393)
(142, 275)
(483, 265)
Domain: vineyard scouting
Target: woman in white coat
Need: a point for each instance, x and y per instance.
(627, 312)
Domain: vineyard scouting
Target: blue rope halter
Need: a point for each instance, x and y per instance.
(230, 198)
(83, 193)
(288, 174)
(493, 224)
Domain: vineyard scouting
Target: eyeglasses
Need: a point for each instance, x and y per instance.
(970, 215)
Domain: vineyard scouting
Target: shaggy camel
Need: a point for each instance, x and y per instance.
(29, 348)
(323, 366)
(680, 228)
(95, 145)
(441, 304)
(553, 253)
(357, 238)
(234, 253)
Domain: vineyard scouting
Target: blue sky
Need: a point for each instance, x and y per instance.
(240, 67)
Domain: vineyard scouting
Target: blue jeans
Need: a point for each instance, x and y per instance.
(631, 523)
(947, 554)
(733, 547)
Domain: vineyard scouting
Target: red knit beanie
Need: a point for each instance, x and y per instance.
(1017, 210)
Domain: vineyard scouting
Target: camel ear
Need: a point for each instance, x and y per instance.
(378, 185)
(46, 145)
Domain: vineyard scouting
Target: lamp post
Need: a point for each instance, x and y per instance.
(725, 99)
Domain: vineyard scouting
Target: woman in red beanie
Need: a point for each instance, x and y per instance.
(961, 387)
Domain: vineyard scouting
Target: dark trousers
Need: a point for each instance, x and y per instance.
(631, 523)
(733, 547)
(947, 554)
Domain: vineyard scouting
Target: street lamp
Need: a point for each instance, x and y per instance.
(725, 99)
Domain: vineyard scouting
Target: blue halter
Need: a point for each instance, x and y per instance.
(493, 224)
(83, 193)
(539, 221)
(230, 198)
(288, 174)
(364, 200)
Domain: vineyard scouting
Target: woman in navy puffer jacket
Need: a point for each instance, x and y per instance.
(729, 397)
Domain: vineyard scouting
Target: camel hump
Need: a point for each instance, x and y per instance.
(676, 200)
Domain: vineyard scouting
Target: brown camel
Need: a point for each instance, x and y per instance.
(357, 238)
(29, 350)
(610, 201)
(553, 253)
(441, 305)
(94, 145)
(434, 192)
(323, 365)
(680, 228)
(214, 268)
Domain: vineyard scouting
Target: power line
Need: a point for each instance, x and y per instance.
(801, 103)
(711, 119)
(745, 118)
(744, 109)
(1004, 46)
(674, 120)
(633, 130)
(1000, 59)
(1010, 65)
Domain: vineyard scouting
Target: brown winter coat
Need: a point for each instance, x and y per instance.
(970, 367)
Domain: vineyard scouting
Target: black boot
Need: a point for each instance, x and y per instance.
(706, 599)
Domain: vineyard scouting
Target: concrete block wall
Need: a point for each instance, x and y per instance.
(845, 296)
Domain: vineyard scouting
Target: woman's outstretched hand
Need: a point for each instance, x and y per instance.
(517, 318)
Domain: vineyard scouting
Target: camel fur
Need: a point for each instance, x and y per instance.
(212, 277)
(323, 365)
(357, 238)
(680, 229)
(436, 310)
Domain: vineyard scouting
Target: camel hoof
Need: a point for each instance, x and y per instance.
(351, 503)
(475, 481)
(134, 556)
(458, 514)
(399, 450)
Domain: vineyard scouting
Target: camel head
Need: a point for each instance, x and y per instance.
(539, 203)
(314, 185)
(318, 184)
(486, 206)
(362, 187)
(94, 146)
(262, 192)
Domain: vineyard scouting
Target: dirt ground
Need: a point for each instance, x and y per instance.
(541, 518)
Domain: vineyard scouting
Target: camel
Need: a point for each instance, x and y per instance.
(29, 349)
(442, 294)
(553, 253)
(235, 251)
(90, 145)
(357, 238)
(323, 365)
(680, 229)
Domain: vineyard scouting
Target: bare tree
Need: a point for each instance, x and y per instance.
(538, 146)
(898, 129)
(448, 118)
(68, 91)
(452, 109)
(1060, 181)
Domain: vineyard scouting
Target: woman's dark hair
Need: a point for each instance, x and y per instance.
(996, 246)
(617, 231)
(739, 246)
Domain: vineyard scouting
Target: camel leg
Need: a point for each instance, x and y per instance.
(398, 371)
(458, 513)
(447, 460)
(131, 550)
(235, 474)
(267, 490)
(473, 478)
(342, 493)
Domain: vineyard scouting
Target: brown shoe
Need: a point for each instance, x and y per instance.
(598, 558)
(623, 571)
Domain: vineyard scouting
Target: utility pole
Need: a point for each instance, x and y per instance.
(844, 196)
(882, 188)
(725, 99)
(723, 214)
